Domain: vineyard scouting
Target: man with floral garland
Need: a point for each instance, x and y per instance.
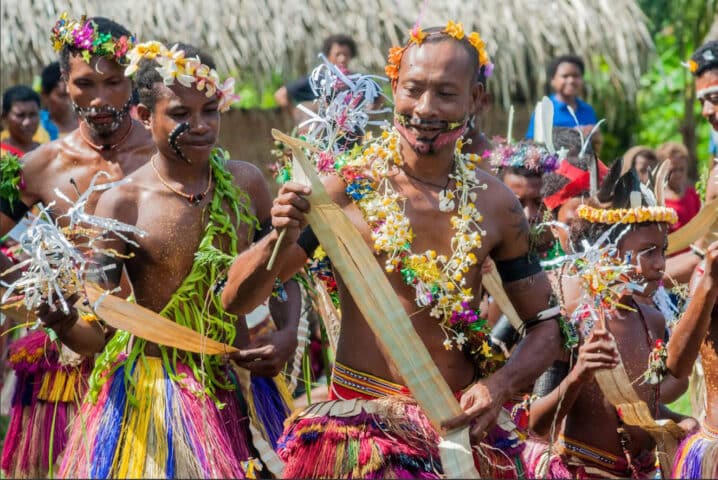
(416, 200)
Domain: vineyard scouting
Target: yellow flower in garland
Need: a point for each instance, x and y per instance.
(455, 30)
(628, 215)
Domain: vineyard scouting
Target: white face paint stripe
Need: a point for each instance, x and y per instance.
(706, 91)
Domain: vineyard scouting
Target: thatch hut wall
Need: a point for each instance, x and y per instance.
(259, 37)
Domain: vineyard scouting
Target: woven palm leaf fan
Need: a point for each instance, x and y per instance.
(493, 285)
(618, 390)
(386, 316)
(148, 325)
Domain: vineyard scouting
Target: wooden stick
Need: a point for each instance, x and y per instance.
(270, 264)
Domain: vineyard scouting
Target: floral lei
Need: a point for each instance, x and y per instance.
(437, 279)
(452, 29)
(532, 156)
(83, 35)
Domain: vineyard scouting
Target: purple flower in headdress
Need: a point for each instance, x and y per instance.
(83, 36)
(488, 69)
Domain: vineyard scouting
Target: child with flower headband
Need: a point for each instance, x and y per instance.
(91, 53)
(623, 236)
(416, 199)
(155, 411)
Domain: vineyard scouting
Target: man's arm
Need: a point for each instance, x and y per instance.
(529, 289)
(249, 283)
(691, 330)
(281, 96)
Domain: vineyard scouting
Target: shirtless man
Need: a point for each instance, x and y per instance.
(107, 140)
(436, 82)
(698, 455)
(199, 210)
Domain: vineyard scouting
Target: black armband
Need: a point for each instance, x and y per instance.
(308, 241)
(551, 378)
(518, 268)
(14, 209)
(504, 335)
(264, 230)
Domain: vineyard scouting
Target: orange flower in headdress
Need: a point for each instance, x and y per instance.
(395, 54)
(455, 30)
(692, 66)
(417, 35)
(392, 71)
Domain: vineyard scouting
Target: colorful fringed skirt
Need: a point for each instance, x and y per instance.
(371, 429)
(47, 392)
(577, 460)
(697, 456)
(168, 429)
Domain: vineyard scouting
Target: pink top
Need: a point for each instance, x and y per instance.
(686, 208)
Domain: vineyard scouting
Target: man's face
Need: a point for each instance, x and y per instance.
(647, 247)
(435, 89)
(528, 191)
(709, 102)
(100, 93)
(22, 121)
(568, 80)
(177, 105)
(567, 214)
(58, 101)
(340, 55)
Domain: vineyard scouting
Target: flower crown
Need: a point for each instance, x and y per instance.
(628, 215)
(84, 35)
(452, 29)
(173, 65)
(529, 155)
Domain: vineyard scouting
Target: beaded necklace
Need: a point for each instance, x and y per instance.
(438, 280)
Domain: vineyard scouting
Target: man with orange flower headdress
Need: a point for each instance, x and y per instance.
(415, 198)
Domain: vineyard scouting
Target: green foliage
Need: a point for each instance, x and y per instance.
(661, 100)
(259, 93)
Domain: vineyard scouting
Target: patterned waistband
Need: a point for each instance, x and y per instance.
(604, 459)
(352, 383)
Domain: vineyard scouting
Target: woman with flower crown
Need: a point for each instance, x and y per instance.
(417, 200)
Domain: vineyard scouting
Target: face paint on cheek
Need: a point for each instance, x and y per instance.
(173, 140)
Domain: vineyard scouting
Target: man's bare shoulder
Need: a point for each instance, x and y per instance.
(496, 191)
(654, 318)
(121, 202)
(246, 174)
(36, 162)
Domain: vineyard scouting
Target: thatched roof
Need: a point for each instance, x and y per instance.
(257, 37)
